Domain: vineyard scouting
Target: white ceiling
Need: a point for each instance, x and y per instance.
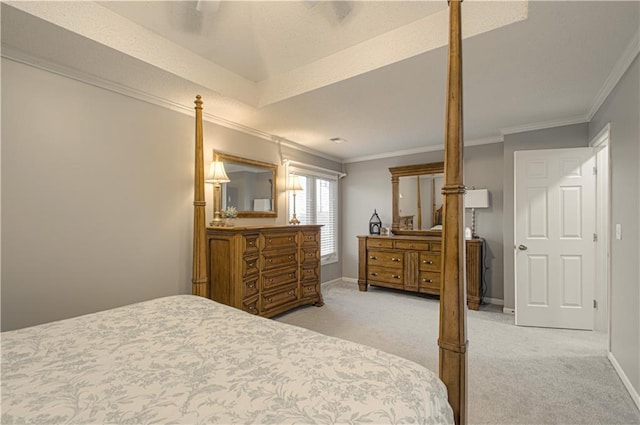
(303, 71)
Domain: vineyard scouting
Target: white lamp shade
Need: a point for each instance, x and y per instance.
(476, 198)
(217, 173)
(293, 184)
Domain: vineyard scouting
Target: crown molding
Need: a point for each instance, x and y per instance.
(543, 125)
(424, 149)
(67, 72)
(621, 66)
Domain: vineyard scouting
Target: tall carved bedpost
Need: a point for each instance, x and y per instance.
(453, 314)
(199, 279)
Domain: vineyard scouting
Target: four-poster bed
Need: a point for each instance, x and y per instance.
(187, 359)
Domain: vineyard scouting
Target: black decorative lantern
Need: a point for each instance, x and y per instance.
(375, 224)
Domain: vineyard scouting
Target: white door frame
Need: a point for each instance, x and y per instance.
(599, 142)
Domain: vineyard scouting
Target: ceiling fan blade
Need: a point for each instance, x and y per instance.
(342, 9)
(207, 6)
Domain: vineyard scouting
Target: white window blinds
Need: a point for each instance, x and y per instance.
(317, 203)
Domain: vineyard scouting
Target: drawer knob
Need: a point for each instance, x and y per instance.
(270, 240)
(290, 292)
(374, 274)
(373, 257)
(290, 275)
(270, 299)
(290, 239)
(427, 280)
(270, 260)
(252, 308)
(290, 257)
(271, 280)
(395, 259)
(427, 262)
(250, 264)
(252, 286)
(395, 276)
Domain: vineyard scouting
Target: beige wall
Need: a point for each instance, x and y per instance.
(97, 193)
(622, 110)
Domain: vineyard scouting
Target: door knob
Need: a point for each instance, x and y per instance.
(522, 247)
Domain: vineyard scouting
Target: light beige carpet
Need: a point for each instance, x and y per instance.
(517, 375)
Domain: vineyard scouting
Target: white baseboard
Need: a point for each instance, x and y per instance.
(331, 282)
(632, 391)
(349, 279)
(507, 310)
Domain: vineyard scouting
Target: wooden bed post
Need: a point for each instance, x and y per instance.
(453, 315)
(199, 279)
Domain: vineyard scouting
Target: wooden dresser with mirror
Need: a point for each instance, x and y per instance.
(410, 259)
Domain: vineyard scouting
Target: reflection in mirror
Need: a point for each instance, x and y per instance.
(420, 202)
(417, 198)
(252, 186)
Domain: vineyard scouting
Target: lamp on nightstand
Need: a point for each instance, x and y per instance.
(476, 198)
(217, 176)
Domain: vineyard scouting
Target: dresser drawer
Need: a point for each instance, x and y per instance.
(309, 291)
(417, 245)
(379, 243)
(274, 259)
(250, 305)
(310, 254)
(280, 240)
(250, 243)
(249, 266)
(430, 262)
(385, 258)
(385, 274)
(429, 281)
(250, 287)
(275, 299)
(276, 278)
(435, 246)
(311, 238)
(310, 273)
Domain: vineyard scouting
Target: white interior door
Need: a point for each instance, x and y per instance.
(554, 237)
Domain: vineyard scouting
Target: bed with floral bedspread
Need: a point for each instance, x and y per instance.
(186, 359)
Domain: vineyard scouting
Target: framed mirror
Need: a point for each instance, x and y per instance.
(251, 187)
(417, 199)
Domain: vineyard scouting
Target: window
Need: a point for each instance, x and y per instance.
(317, 203)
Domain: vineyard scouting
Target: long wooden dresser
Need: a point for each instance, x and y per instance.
(412, 263)
(264, 270)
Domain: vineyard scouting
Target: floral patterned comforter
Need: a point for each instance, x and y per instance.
(186, 359)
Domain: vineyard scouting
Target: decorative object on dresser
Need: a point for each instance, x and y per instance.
(216, 177)
(293, 186)
(412, 263)
(475, 198)
(264, 270)
(375, 224)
